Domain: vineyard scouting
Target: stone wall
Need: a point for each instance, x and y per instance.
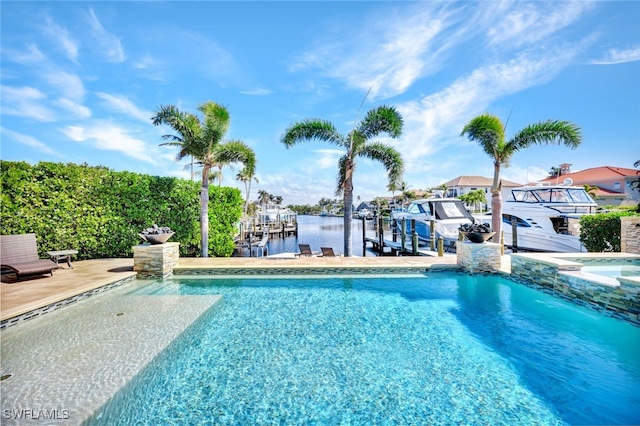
(618, 298)
(155, 260)
(478, 257)
(630, 234)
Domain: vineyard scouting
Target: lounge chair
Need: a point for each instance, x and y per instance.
(19, 254)
(327, 252)
(305, 250)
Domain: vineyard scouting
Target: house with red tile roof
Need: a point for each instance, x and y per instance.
(465, 184)
(615, 184)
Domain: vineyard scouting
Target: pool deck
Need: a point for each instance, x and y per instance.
(24, 296)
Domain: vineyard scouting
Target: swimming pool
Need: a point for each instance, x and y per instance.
(613, 271)
(438, 349)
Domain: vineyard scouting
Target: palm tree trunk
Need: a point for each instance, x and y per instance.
(204, 212)
(496, 203)
(348, 213)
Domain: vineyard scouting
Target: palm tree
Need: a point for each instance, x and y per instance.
(264, 197)
(246, 176)
(203, 140)
(379, 120)
(489, 132)
(474, 198)
(591, 190)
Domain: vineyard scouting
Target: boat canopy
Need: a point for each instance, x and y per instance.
(453, 209)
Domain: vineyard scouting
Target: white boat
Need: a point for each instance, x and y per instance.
(547, 217)
(448, 215)
(274, 213)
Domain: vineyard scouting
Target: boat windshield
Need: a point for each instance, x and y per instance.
(552, 195)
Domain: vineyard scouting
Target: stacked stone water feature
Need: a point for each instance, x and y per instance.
(475, 254)
(156, 258)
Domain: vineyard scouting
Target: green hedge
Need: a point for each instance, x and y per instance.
(100, 212)
(601, 232)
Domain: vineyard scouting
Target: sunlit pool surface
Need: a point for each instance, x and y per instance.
(438, 349)
(613, 270)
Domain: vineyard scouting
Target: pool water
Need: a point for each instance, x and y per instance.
(438, 349)
(613, 270)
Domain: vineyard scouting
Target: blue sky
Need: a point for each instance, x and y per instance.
(80, 81)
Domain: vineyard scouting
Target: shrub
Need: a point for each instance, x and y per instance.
(100, 212)
(601, 232)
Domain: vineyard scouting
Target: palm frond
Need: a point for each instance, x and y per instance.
(311, 130)
(235, 152)
(547, 132)
(383, 119)
(488, 131)
(389, 157)
(216, 124)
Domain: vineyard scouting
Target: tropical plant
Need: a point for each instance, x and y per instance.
(246, 176)
(203, 140)
(474, 198)
(489, 132)
(408, 196)
(356, 143)
(602, 232)
(591, 190)
(264, 197)
(555, 172)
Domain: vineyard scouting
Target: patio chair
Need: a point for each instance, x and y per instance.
(305, 250)
(19, 254)
(327, 252)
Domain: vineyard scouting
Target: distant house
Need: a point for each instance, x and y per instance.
(465, 184)
(615, 184)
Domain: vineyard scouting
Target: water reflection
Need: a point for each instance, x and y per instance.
(323, 231)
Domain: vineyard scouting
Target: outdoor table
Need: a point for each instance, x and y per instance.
(62, 255)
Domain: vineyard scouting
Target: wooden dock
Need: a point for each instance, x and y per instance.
(401, 244)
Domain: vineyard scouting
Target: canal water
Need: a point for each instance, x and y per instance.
(323, 231)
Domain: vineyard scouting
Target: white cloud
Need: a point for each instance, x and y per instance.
(326, 158)
(122, 104)
(62, 38)
(387, 53)
(104, 42)
(523, 175)
(439, 118)
(51, 78)
(256, 92)
(107, 136)
(528, 23)
(26, 140)
(32, 56)
(146, 62)
(618, 56)
(25, 102)
(69, 85)
(78, 111)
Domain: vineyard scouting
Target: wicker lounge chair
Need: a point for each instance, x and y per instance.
(327, 252)
(19, 254)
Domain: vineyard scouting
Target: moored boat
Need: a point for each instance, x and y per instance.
(448, 214)
(547, 218)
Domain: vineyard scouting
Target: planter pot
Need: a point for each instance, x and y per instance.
(156, 238)
(478, 237)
